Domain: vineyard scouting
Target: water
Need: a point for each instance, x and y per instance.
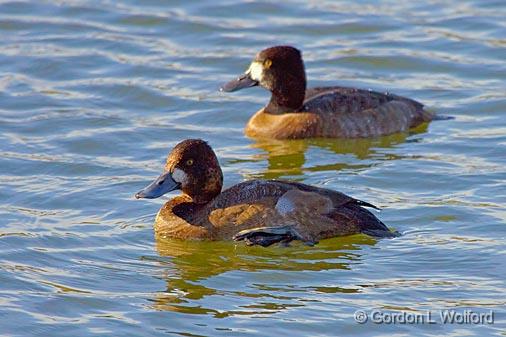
(94, 94)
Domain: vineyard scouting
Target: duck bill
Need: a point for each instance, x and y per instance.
(163, 184)
(245, 81)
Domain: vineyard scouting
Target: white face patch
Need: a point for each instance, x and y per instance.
(179, 176)
(256, 71)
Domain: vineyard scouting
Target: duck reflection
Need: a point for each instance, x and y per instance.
(288, 157)
(197, 270)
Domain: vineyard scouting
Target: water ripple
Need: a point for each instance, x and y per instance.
(94, 93)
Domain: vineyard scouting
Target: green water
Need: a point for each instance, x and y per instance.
(93, 94)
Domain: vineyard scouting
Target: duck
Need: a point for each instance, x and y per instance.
(295, 112)
(258, 212)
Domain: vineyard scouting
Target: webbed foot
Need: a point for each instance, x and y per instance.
(266, 236)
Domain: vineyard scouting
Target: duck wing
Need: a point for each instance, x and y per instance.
(297, 217)
(351, 113)
(264, 212)
(253, 190)
(349, 100)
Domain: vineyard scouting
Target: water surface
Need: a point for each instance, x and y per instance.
(93, 94)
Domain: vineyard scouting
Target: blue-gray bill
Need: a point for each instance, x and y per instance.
(245, 81)
(163, 184)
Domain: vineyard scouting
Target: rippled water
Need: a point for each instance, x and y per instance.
(93, 94)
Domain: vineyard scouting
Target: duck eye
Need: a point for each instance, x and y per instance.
(267, 63)
(189, 162)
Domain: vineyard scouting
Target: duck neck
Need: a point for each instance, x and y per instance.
(205, 190)
(288, 97)
(204, 198)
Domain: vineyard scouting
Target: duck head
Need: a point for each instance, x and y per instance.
(280, 70)
(191, 167)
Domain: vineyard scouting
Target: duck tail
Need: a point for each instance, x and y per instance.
(370, 224)
(442, 118)
(366, 204)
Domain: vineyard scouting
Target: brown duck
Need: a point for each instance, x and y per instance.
(258, 211)
(331, 112)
